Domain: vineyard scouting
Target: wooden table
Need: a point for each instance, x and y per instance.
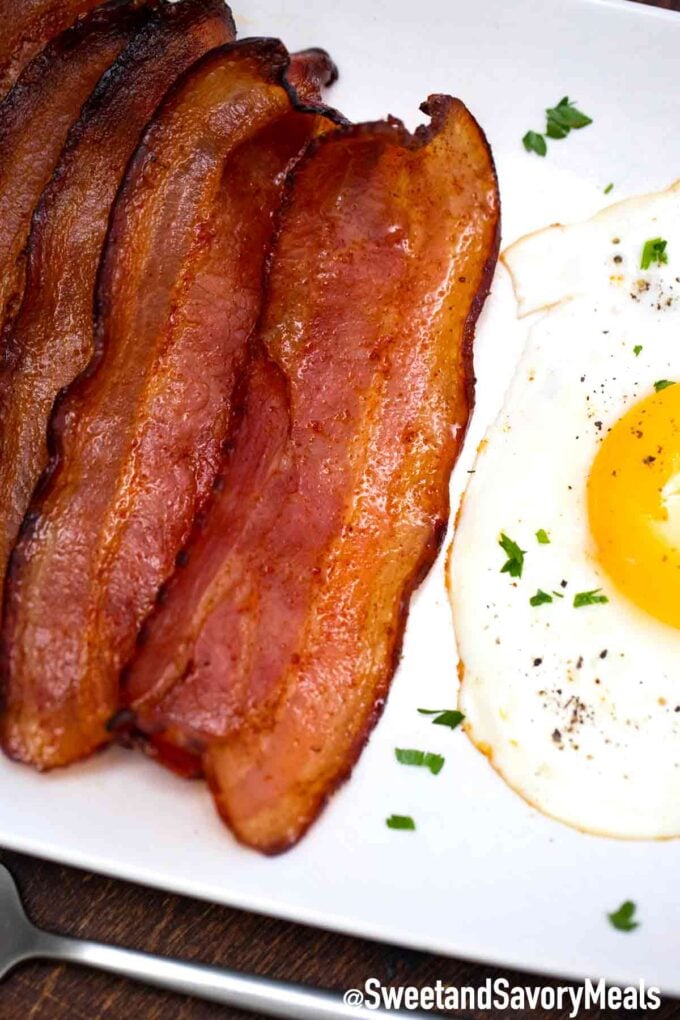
(75, 902)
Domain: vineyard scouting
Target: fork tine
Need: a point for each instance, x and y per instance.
(17, 934)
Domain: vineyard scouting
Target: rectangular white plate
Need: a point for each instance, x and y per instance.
(484, 876)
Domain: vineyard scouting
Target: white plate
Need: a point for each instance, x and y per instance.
(484, 876)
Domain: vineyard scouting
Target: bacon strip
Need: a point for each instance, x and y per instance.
(27, 26)
(34, 121)
(138, 437)
(52, 338)
(311, 71)
(273, 646)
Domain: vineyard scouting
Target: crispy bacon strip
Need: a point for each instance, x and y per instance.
(138, 438)
(311, 71)
(51, 340)
(273, 648)
(34, 121)
(26, 26)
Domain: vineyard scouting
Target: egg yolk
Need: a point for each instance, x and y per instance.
(634, 504)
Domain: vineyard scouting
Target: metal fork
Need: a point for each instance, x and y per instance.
(20, 940)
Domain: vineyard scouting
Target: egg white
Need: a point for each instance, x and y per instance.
(577, 708)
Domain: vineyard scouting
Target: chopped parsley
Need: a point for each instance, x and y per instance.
(654, 251)
(542, 537)
(622, 919)
(450, 717)
(608, 189)
(563, 117)
(400, 822)
(560, 120)
(540, 598)
(662, 384)
(637, 349)
(425, 759)
(533, 142)
(515, 561)
(589, 598)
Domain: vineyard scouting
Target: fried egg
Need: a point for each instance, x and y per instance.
(565, 569)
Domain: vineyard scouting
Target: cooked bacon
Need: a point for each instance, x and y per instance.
(27, 26)
(272, 648)
(51, 340)
(311, 71)
(34, 121)
(137, 439)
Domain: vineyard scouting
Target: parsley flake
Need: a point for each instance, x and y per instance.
(564, 117)
(589, 598)
(400, 822)
(542, 537)
(608, 189)
(434, 762)
(556, 130)
(515, 561)
(410, 756)
(560, 120)
(540, 598)
(654, 250)
(533, 142)
(450, 717)
(637, 349)
(662, 384)
(622, 919)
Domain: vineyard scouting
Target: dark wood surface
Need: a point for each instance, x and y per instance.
(74, 902)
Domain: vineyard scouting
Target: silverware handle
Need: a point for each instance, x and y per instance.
(257, 994)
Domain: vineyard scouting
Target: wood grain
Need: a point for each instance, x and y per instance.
(89, 905)
(78, 903)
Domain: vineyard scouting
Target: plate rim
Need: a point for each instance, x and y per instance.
(328, 920)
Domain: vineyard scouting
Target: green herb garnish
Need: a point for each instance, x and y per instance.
(608, 189)
(450, 717)
(560, 120)
(540, 598)
(542, 537)
(409, 756)
(563, 117)
(533, 142)
(589, 598)
(400, 822)
(515, 561)
(637, 349)
(654, 251)
(663, 384)
(556, 130)
(622, 919)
